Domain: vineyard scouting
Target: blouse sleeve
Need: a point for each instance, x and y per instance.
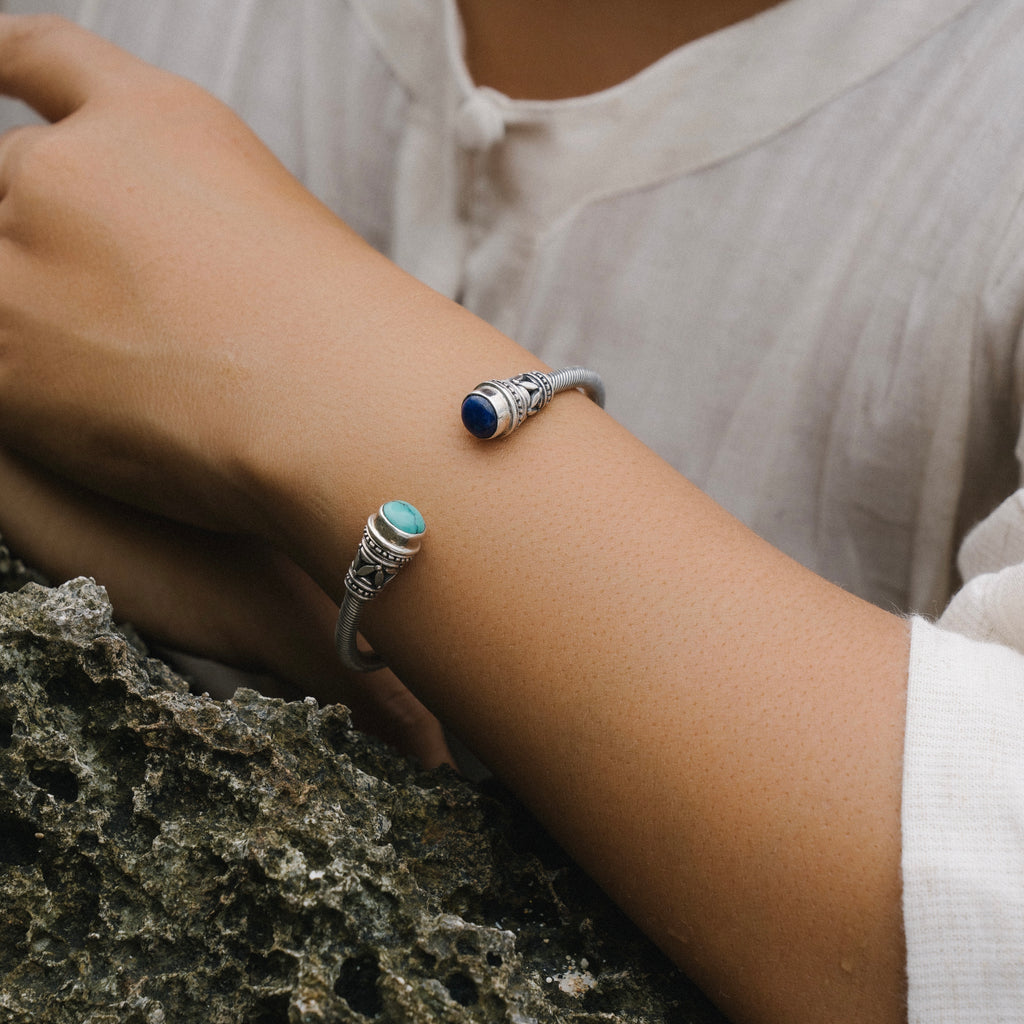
(963, 789)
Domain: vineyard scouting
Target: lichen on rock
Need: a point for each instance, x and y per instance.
(165, 857)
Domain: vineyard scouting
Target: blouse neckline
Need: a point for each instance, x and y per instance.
(711, 98)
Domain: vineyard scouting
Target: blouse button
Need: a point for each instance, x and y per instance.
(479, 123)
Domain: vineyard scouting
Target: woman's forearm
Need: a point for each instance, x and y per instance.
(713, 731)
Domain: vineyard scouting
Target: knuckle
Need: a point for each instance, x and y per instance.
(22, 34)
(177, 98)
(14, 144)
(163, 94)
(33, 154)
(30, 57)
(33, 26)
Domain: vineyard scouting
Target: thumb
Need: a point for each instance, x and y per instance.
(54, 65)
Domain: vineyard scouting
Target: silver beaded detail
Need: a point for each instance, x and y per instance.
(513, 400)
(383, 552)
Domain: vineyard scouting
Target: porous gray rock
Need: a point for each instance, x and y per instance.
(167, 858)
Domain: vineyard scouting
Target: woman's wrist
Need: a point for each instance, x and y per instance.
(372, 414)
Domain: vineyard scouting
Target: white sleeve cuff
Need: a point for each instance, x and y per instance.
(963, 830)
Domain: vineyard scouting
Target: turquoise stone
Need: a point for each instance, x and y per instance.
(479, 417)
(403, 516)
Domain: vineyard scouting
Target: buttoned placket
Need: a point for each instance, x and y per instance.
(479, 131)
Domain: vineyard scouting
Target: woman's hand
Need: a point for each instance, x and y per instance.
(162, 283)
(152, 252)
(215, 595)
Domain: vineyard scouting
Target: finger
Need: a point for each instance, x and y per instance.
(384, 708)
(14, 144)
(53, 64)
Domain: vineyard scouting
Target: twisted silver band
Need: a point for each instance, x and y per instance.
(495, 408)
(391, 538)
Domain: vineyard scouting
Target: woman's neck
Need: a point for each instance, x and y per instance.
(552, 49)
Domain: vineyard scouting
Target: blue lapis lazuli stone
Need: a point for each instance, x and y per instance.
(479, 417)
(404, 517)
